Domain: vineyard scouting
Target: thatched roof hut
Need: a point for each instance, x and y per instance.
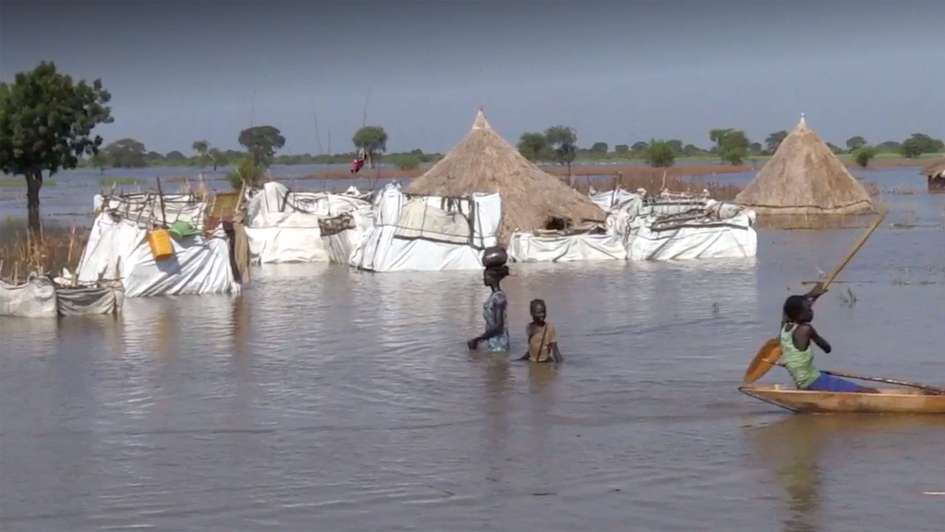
(935, 171)
(485, 162)
(804, 177)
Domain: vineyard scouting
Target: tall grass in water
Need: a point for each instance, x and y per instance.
(55, 248)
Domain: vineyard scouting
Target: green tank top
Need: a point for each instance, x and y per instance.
(800, 364)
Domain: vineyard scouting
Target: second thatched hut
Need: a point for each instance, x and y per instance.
(485, 162)
(804, 178)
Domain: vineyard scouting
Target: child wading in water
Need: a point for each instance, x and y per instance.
(797, 355)
(542, 337)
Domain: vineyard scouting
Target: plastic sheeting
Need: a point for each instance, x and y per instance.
(83, 300)
(283, 226)
(117, 249)
(407, 243)
(705, 228)
(730, 237)
(36, 298)
(528, 247)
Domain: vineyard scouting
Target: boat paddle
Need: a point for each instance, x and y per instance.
(770, 352)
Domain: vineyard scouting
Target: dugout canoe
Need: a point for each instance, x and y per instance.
(887, 401)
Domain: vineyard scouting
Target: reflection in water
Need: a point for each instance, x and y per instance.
(805, 453)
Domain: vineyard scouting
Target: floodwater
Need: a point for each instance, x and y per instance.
(328, 399)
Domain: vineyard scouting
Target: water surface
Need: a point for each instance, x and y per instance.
(329, 399)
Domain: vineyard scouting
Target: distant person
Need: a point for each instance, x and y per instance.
(496, 335)
(542, 337)
(797, 355)
(357, 164)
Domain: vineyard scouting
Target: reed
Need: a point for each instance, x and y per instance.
(21, 254)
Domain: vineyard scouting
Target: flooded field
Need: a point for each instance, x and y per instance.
(329, 399)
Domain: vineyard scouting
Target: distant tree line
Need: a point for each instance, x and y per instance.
(729, 145)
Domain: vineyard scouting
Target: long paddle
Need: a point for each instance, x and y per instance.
(770, 352)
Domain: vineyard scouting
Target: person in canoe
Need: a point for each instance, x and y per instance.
(542, 336)
(496, 335)
(797, 335)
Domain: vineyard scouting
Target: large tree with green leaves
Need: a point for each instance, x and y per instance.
(46, 121)
(202, 149)
(126, 153)
(532, 145)
(732, 144)
(660, 154)
(563, 142)
(774, 140)
(856, 142)
(262, 143)
(372, 140)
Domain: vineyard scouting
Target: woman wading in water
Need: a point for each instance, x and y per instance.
(496, 336)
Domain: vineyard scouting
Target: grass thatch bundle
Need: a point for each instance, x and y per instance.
(804, 177)
(484, 162)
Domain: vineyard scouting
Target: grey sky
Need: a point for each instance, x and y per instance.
(615, 71)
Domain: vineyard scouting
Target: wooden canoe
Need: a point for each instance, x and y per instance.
(887, 401)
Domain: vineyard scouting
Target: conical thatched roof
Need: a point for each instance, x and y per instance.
(935, 170)
(484, 162)
(805, 177)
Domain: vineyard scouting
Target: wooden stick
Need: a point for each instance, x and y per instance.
(856, 247)
(71, 243)
(161, 195)
(930, 389)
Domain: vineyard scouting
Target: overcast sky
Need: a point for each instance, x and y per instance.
(616, 71)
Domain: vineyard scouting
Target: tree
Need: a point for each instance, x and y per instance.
(834, 148)
(774, 140)
(755, 148)
(246, 172)
(126, 153)
(863, 155)
(855, 143)
(621, 149)
(175, 157)
(599, 148)
(716, 136)
(217, 157)
(202, 148)
(920, 143)
(639, 146)
(690, 150)
(371, 139)
(676, 145)
(531, 145)
(46, 122)
(100, 161)
(262, 143)
(562, 140)
(732, 144)
(660, 154)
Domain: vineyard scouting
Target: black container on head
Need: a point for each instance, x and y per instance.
(494, 257)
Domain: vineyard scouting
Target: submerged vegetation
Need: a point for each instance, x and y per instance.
(56, 247)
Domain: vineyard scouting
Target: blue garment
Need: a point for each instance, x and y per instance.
(829, 383)
(499, 342)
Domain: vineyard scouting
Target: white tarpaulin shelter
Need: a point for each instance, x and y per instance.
(118, 249)
(286, 226)
(678, 226)
(428, 233)
(36, 298)
(529, 247)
